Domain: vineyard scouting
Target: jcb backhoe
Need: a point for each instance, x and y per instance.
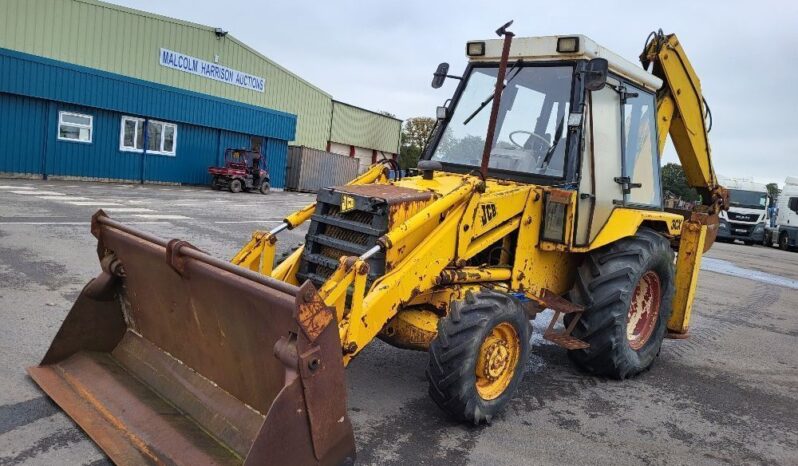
(549, 199)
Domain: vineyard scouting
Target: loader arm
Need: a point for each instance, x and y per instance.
(681, 113)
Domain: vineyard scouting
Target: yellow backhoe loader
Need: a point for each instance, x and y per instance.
(549, 199)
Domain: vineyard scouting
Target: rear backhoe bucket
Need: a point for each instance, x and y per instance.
(171, 356)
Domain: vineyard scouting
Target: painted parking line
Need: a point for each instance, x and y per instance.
(36, 192)
(64, 198)
(93, 203)
(162, 216)
(12, 223)
(246, 221)
(128, 209)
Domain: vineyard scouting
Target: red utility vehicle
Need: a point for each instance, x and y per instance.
(243, 170)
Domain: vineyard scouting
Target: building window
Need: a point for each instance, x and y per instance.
(132, 137)
(161, 137)
(74, 127)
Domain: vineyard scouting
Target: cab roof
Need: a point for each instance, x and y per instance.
(544, 48)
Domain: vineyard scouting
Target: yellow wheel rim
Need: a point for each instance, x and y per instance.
(497, 361)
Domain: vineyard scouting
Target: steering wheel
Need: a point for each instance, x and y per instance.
(528, 133)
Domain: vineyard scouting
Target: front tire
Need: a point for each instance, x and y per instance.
(627, 290)
(264, 188)
(784, 243)
(476, 362)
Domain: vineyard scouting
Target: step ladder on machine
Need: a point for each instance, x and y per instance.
(562, 306)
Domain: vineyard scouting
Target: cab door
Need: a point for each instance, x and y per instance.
(601, 162)
(641, 167)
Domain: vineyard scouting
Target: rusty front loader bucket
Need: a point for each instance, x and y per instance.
(173, 357)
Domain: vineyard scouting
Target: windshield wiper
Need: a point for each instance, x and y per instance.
(517, 68)
(557, 137)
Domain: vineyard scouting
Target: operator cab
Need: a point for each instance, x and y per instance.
(572, 114)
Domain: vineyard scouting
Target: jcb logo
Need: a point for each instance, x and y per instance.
(676, 224)
(488, 212)
(347, 203)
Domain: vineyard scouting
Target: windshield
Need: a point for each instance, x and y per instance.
(749, 199)
(531, 127)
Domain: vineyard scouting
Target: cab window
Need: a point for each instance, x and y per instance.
(641, 157)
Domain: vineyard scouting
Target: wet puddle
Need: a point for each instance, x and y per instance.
(728, 268)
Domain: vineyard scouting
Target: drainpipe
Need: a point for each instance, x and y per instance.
(144, 153)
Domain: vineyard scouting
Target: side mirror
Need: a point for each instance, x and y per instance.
(440, 112)
(440, 75)
(596, 74)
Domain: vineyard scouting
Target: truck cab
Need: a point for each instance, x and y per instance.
(747, 216)
(784, 233)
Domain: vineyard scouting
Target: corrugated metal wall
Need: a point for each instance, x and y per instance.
(126, 41)
(48, 79)
(20, 117)
(99, 159)
(362, 128)
(277, 156)
(29, 145)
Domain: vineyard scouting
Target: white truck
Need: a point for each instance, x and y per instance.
(747, 216)
(784, 232)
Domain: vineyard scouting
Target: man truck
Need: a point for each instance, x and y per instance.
(747, 216)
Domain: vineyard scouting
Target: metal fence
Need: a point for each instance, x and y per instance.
(309, 170)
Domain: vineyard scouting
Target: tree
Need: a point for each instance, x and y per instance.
(415, 133)
(773, 190)
(674, 181)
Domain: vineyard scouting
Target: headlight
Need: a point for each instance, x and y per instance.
(554, 222)
(567, 44)
(759, 227)
(475, 49)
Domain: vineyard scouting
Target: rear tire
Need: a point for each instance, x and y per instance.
(639, 269)
(264, 188)
(236, 186)
(485, 334)
(215, 184)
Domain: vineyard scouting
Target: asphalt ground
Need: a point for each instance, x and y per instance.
(727, 395)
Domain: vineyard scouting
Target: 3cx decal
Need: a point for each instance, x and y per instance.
(488, 212)
(676, 224)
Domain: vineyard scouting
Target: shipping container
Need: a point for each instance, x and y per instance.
(309, 170)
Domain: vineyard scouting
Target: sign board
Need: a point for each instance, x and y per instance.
(192, 65)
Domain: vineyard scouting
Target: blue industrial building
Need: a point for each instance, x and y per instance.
(65, 120)
(94, 90)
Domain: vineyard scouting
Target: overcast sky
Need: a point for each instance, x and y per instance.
(380, 55)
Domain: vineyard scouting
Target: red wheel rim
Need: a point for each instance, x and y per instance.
(643, 310)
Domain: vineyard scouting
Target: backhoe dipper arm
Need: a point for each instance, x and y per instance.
(682, 112)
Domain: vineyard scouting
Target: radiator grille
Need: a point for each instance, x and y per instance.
(333, 234)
